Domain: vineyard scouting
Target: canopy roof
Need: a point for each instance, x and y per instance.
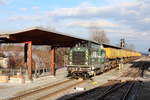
(41, 36)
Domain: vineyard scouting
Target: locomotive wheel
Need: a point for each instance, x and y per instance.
(86, 76)
(94, 74)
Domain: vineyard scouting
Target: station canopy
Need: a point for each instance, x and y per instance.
(41, 36)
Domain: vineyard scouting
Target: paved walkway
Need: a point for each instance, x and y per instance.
(8, 90)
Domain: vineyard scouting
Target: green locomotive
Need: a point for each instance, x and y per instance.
(86, 60)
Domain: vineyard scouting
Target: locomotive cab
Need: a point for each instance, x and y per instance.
(85, 60)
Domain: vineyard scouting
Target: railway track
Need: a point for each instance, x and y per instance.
(48, 91)
(118, 91)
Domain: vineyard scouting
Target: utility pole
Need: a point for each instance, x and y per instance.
(149, 51)
(122, 43)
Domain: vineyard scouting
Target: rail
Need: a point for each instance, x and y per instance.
(38, 90)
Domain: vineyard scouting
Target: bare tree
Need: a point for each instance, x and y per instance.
(99, 35)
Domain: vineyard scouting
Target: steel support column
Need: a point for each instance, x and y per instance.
(52, 61)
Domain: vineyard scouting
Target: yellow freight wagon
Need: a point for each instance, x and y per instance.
(133, 53)
(115, 55)
(128, 53)
(118, 53)
(108, 53)
(123, 53)
(111, 53)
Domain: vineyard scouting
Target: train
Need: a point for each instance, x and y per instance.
(90, 58)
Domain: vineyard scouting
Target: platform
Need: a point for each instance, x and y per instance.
(8, 90)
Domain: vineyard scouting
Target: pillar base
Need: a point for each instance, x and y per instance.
(27, 80)
(52, 76)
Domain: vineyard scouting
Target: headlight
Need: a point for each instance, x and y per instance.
(93, 68)
(86, 63)
(70, 63)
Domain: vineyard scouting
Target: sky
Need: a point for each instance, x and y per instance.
(128, 19)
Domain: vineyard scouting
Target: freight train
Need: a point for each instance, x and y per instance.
(89, 59)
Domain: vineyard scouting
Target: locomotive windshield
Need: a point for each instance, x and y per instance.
(78, 56)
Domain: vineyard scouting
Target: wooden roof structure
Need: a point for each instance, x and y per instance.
(41, 36)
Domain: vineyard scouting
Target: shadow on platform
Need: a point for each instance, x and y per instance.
(141, 64)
